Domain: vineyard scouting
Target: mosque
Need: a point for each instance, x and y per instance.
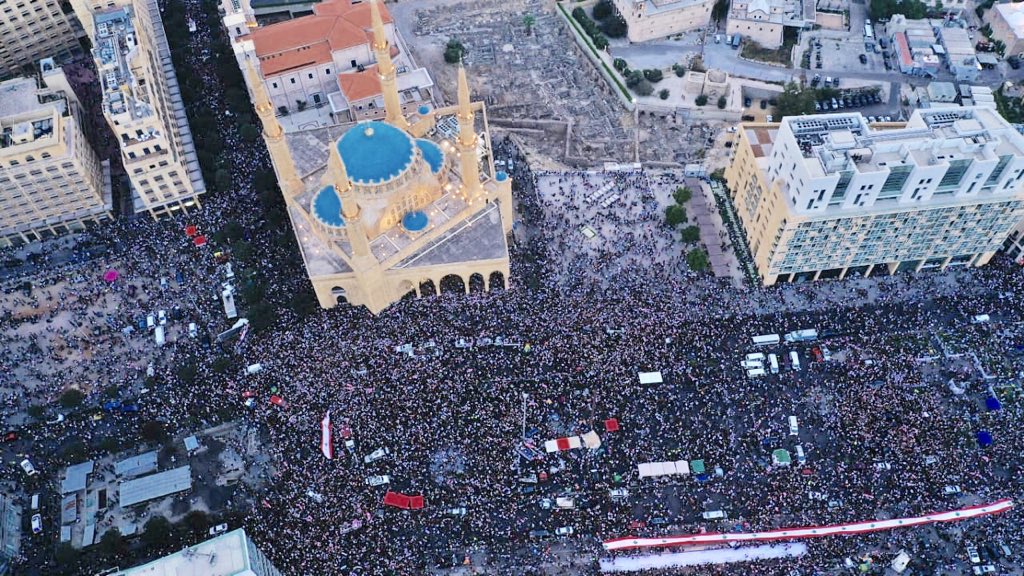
(404, 205)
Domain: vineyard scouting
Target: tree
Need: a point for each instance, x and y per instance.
(697, 64)
(620, 64)
(644, 88)
(153, 431)
(220, 364)
(795, 101)
(697, 260)
(72, 398)
(36, 411)
(66, 555)
(603, 9)
(690, 234)
(701, 100)
(722, 102)
(75, 452)
(675, 215)
(262, 316)
(231, 231)
(634, 78)
(614, 26)
(157, 532)
(222, 179)
(250, 133)
(653, 74)
(663, 94)
(528, 22)
(682, 195)
(197, 521)
(112, 544)
(187, 371)
(242, 250)
(109, 444)
(454, 51)
(679, 69)
(302, 304)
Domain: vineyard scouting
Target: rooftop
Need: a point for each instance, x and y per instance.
(158, 485)
(375, 152)
(115, 48)
(1013, 14)
(75, 477)
(225, 555)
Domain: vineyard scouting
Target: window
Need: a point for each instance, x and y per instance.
(310, 75)
(354, 64)
(955, 173)
(328, 71)
(274, 84)
(997, 172)
(292, 80)
(893, 186)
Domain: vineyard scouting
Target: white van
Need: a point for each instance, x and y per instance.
(756, 356)
(794, 358)
(28, 467)
(794, 429)
(800, 457)
(766, 339)
(714, 515)
(254, 369)
(980, 319)
(150, 322)
(756, 372)
(773, 361)
(35, 501)
(193, 330)
(159, 335)
(751, 364)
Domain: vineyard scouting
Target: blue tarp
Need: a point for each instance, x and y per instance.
(993, 404)
(984, 438)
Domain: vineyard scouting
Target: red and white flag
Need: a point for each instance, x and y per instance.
(326, 440)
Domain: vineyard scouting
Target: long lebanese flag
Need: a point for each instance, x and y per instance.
(326, 437)
(633, 543)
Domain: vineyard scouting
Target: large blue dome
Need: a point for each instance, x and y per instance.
(375, 152)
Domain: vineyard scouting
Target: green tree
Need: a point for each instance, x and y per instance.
(697, 260)
(682, 195)
(528, 22)
(663, 94)
(701, 100)
(603, 9)
(72, 398)
(220, 364)
(620, 64)
(675, 215)
(109, 444)
(262, 316)
(242, 250)
(653, 75)
(187, 371)
(679, 69)
(795, 101)
(66, 556)
(250, 133)
(722, 102)
(690, 234)
(634, 78)
(36, 411)
(153, 431)
(197, 522)
(222, 179)
(643, 88)
(231, 231)
(302, 304)
(157, 532)
(75, 452)
(113, 544)
(454, 51)
(614, 26)
(697, 64)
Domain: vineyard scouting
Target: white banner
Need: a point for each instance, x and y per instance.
(326, 440)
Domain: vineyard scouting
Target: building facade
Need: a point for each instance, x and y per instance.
(31, 30)
(324, 59)
(763, 21)
(828, 196)
(51, 180)
(657, 19)
(230, 554)
(143, 106)
(1007, 22)
(393, 207)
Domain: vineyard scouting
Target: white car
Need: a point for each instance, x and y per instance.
(378, 480)
(714, 515)
(37, 524)
(564, 531)
(193, 330)
(986, 569)
(619, 493)
(218, 529)
(883, 466)
(972, 553)
(28, 467)
(951, 490)
(458, 511)
(162, 316)
(376, 455)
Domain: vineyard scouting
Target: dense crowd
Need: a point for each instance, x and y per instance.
(593, 317)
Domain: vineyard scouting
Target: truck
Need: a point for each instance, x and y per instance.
(806, 335)
(735, 41)
(766, 339)
(159, 335)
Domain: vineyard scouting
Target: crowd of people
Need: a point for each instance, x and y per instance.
(593, 316)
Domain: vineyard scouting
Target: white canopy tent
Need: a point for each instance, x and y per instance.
(650, 377)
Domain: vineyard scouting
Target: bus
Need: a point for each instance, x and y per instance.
(766, 339)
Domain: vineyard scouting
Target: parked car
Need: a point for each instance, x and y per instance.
(378, 480)
(218, 529)
(376, 455)
(950, 490)
(972, 553)
(162, 316)
(10, 436)
(29, 469)
(564, 531)
(986, 569)
(457, 511)
(57, 420)
(193, 330)
(37, 524)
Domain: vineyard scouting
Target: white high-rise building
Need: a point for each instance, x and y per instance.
(230, 554)
(827, 195)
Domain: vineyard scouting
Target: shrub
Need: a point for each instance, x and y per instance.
(675, 215)
(690, 234)
(620, 64)
(644, 88)
(72, 398)
(722, 102)
(679, 69)
(663, 94)
(653, 75)
(454, 51)
(701, 100)
(634, 78)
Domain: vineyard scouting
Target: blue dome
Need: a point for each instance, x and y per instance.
(327, 207)
(501, 176)
(432, 154)
(423, 110)
(375, 152)
(415, 221)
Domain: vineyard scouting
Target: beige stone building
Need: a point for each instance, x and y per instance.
(654, 19)
(51, 180)
(1007, 22)
(826, 196)
(31, 30)
(142, 104)
(325, 59)
(763, 21)
(402, 206)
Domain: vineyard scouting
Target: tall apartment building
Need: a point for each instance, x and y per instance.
(31, 30)
(51, 180)
(827, 196)
(142, 104)
(230, 554)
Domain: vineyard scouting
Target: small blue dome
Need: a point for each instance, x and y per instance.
(432, 154)
(423, 110)
(327, 207)
(415, 221)
(375, 152)
(501, 176)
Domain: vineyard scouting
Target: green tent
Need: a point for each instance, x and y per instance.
(697, 467)
(781, 457)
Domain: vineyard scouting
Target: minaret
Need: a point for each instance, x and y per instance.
(337, 176)
(386, 70)
(469, 164)
(273, 135)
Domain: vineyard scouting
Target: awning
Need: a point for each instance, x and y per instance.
(403, 501)
(591, 440)
(650, 377)
(561, 444)
(611, 425)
